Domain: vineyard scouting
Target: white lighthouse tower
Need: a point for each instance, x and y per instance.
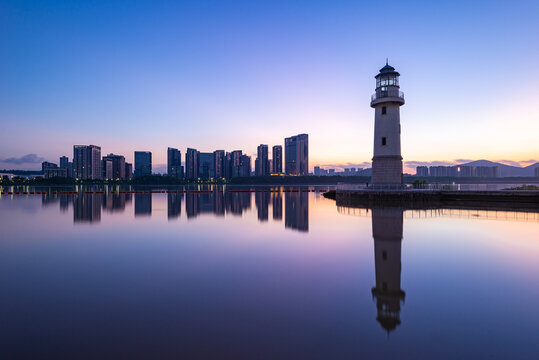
(386, 101)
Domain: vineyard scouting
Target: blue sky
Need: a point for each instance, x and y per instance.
(145, 75)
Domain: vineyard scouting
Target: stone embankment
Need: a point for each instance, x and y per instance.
(421, 199)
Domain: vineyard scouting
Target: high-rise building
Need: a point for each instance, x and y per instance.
(118, 166)
(235, 163)
(51, 170)
(536, 171)
(487, 171)
(387, 100)
(262, 161)
(277, 160)
(465, 171)
(128, 170)
(87, 162)
(64, 160)
(66, 164)
(422, 171)
(296, 154)
(107, 168)
(245, 166)
(47, 165)
(438, 171)
(228, 166)
(143, 163)
(206, 165)
(174, 163)
(219, 164)
(191, 164)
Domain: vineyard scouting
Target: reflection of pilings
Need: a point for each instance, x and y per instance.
(297, 210)
(277, 205)
(143, 204)
(174, 205)
(262, 203)
(87, 207)
(387, 233)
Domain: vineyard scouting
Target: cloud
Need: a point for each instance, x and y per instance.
(509, 162)
(26, 159)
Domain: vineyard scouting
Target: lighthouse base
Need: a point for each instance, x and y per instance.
(387, 170)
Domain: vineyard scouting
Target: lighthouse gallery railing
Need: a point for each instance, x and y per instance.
(388, 93)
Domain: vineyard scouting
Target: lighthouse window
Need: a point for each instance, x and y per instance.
(384, 110)
(384, 142)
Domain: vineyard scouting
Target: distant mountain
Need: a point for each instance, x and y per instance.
(506, 170)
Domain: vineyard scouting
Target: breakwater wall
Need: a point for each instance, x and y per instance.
(418, 199)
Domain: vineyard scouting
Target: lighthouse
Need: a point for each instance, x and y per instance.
(386, 101)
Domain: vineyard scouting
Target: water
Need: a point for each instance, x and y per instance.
(263, 275)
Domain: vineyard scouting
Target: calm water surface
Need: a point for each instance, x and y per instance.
(264, 275)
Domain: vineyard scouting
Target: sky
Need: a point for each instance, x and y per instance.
(147, 75)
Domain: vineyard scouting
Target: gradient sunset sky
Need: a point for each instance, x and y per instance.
(146, 75)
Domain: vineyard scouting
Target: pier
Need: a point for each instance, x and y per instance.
(434, 199)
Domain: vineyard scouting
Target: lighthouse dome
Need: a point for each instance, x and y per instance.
(387, 70)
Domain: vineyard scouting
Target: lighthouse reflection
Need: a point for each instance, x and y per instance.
(387, 234)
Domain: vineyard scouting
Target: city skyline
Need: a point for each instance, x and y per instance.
(130, 86)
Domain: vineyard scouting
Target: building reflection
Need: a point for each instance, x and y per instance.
(192, 205)
(216, 202)
(88, 205)
(49, 199)
(297, 211)
(87, 208)
(115, 202)
(65, 201)
(236, 203)
(219, 203)
(277, 205)
(143, 204)
(262, 198)
(387, 234)
(174, 207)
